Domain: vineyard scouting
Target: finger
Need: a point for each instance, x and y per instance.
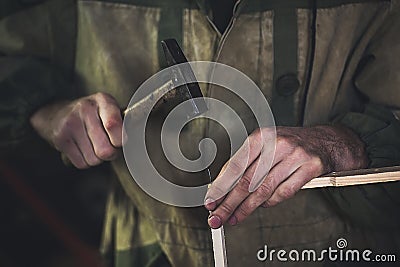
(71, 150)
(282, 171)
(285, 150)
(211, 205)
(85, 146)
(263, 166)
(277, 175)
(110, 115)
(271, 156)
(226, 206)
(257, 170)
(102, 146)
(235, 167)
(293, 184)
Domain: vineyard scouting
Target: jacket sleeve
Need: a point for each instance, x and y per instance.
(26, 84)
(32, 73)
(376, 205)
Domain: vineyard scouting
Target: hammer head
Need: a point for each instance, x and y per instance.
(174, 56)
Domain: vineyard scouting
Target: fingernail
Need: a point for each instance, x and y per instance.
(209, 204)
(208, 201)
(232, 220)
(214, 221)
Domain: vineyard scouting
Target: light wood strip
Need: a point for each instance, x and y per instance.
(358, 177)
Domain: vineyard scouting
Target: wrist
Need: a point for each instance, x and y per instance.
(41, 120)
(345, 148)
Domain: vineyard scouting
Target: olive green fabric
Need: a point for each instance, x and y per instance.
(123, 224)
(112, 46)
(28, 84)
(36, 62)
(377, 79)
(285, 62)
(368, 205)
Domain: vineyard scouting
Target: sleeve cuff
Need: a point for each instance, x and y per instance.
(27, 85)
(379, 130)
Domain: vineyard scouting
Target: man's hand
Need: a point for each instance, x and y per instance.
(87, 130)
(302, 153)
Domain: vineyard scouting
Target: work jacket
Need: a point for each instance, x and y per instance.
(316, 62)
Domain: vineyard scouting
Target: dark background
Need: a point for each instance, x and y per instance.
(51, 214)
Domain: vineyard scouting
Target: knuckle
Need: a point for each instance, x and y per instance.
(59, 138)
(87, 101)
(100, 95)
(244, 211)
(235, 167)
(299, 152)
(82, 166)
(104, 97)
(61, 141)
(265, 190)
(255, 138)
(283, 142)
(85, 107)
(79, 164)
(315, 166)
(67, 123)
(255, 134)
(62, 134)
(94, 161)
(226, 208)
(316, 161)
(106, 153)
(216, 192)
(112, 124)
(249, 206)
(285, 193)
(244, 183)
(270, 203)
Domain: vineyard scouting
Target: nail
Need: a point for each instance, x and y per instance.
(210, 204)
(214, 221)
(208, 201)
(232, 220)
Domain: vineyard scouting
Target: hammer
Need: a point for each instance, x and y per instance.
(180, 74)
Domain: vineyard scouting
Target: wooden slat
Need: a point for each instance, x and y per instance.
(358, 177)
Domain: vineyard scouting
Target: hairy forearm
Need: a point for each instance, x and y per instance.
(341, 147)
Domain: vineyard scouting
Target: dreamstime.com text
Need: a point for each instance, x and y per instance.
(340, 253)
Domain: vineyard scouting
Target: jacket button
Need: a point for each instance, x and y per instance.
(287, 84)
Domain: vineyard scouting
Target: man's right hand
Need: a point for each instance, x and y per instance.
(87, 130)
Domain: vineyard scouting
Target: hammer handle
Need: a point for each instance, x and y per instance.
(144, 106)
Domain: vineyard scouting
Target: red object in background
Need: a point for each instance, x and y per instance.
(84, 255)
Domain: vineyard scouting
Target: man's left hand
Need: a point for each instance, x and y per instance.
(301, 154)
